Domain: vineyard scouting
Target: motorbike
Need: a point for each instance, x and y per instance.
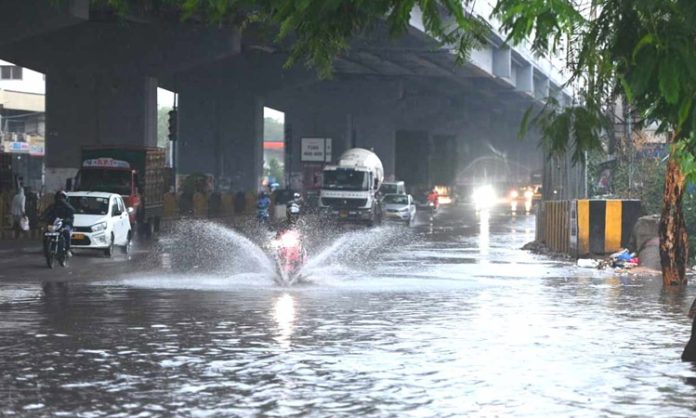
(54, 244)
(289, 255)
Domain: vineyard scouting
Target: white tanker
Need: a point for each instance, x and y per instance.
(349, 189)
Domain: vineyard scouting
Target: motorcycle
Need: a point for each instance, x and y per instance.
(289, 255)
(54, 244)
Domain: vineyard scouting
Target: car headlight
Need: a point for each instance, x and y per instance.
(131, 209)
(404, 209)
(98, 227)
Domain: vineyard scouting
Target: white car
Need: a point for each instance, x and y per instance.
(399, 207)
(101, 222)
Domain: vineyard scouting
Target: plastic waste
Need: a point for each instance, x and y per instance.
(622, 255)
(588, 263)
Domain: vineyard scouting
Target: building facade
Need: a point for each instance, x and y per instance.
(22, 127)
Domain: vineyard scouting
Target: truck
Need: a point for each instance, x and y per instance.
(136, 173)
(350, 189)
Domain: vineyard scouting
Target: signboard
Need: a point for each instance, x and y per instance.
(316, 150)
(105, 163)
(16, 147)
(33, 146)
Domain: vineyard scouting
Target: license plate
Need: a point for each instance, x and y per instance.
(78, 236)
(51, 234)
(343, 214)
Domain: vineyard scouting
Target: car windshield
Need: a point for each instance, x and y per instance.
(399, 199)
(388, 188)
(108, 181)
(88, 205)
(345, 180)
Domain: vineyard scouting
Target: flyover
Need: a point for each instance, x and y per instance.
(405, 97)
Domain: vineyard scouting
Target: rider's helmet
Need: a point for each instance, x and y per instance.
(296, 195)
(60, 195)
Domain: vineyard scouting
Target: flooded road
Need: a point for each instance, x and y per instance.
(448, 318)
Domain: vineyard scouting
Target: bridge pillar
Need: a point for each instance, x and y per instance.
(221, 134)
(97, 109)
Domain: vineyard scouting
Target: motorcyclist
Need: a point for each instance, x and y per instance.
(289, 244)
(62, 209)
(293, 208)
(434, 198)
(262, 206)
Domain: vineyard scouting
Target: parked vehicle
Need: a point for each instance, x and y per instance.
(101, 222)
(135, 173)
(393, 187)
(54, 244)
(399, 207)
(350, 188)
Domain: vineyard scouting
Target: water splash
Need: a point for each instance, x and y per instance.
(352, 251)
(210, 248)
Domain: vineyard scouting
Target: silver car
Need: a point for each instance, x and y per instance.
(399, 207)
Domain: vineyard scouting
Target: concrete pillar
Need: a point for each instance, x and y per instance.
(97, 109)
(378, 134)
(221, 134)
(525, 79)
(317, 121)
(502, 63)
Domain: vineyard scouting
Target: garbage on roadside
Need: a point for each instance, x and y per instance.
(620, 260)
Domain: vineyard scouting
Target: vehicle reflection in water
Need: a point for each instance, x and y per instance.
(484, 232)
(284, 315)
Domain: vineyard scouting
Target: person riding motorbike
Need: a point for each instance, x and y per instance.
(263, 205)
(433, 199)
(289, 246)
(294, 208)
(62, 209)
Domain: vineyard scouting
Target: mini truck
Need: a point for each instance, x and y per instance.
(350, 189)
(135, 173)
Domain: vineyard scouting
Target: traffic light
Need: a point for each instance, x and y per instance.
(173, 125)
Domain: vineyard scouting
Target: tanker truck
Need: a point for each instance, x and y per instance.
(349, 190)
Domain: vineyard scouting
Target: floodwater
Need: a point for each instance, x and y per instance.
(448, 318)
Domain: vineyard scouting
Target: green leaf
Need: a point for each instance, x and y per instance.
(669, 82)
(648, 39)
(685, 111)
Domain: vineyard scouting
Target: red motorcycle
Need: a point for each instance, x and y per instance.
(289, 254)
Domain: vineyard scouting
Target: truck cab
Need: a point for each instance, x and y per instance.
(110, 176)
(350, 189)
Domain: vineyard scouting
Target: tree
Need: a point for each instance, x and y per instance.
(642, 49)
(163, 126)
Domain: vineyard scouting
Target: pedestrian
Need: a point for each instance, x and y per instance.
(17, 210)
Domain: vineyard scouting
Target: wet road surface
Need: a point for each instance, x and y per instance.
(448, 318)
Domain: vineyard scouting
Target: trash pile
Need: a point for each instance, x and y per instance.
(620, 260)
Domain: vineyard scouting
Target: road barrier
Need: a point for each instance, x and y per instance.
(587, 226)
(229, 206)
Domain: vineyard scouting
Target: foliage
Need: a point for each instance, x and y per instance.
(275, 170)
(643, 49)
(273, 130)
(318, 30)
(163, 126)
